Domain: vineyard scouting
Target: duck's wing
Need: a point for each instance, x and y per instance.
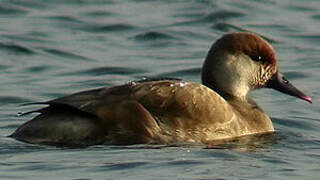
(92, 101)
(85, 101)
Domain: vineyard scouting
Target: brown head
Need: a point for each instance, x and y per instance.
(240, 62)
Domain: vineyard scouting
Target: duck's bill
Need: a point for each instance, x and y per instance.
(280, 83)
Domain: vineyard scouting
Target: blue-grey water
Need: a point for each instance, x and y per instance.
(53, 48)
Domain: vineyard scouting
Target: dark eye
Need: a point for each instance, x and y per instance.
(256, 58)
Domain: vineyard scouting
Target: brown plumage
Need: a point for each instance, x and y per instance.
(170, 110)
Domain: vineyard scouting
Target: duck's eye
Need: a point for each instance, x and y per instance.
(257, 58)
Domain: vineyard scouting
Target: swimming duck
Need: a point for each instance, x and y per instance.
(163, 111)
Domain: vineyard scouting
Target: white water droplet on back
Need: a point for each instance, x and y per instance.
(181, 84)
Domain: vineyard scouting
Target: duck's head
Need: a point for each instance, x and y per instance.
(240, 62)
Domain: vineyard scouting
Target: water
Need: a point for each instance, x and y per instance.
(53, 48)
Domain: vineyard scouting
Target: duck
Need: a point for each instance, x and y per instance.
(170, 110)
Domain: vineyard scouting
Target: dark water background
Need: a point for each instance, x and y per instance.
(53, 48)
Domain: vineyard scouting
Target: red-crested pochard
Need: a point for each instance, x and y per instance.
(163, 111)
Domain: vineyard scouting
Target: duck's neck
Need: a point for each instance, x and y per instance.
(227, 95)
(209, 81)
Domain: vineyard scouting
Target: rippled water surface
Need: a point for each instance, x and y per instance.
(53, 48)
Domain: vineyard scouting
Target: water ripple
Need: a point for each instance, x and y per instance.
(281, 27)
(65, 54)
(37, 69)
(124, 165)
(98, 28)
(153, 35)
(227, 27)
(313, 38)
(64, 18)
(30, 4)
(184, 162)
(12, 100)
(7, 9)
(108, 70)
(16, 48)
(98, 13)
(184, 72)
(221, 15)
(303, 7)
(3, 67)
(316, 17)
(28, 37)
(296, 75)
(290, 123)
